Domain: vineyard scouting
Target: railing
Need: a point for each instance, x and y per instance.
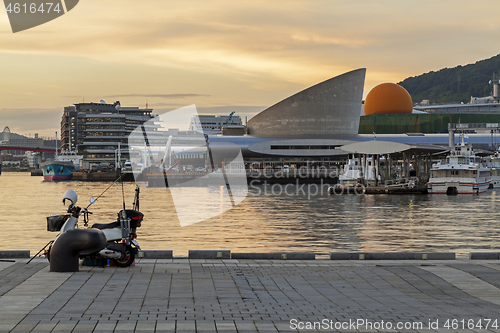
(301, 172)
(402, 182)
(473, 125)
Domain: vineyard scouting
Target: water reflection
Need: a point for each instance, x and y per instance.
(264, 223)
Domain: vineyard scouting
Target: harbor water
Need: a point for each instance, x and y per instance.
(268, 220)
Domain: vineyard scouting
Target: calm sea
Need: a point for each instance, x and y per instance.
(263, 223)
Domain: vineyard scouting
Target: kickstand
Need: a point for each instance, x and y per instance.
(43, 248)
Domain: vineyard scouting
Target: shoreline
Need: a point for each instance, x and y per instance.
(284, 256)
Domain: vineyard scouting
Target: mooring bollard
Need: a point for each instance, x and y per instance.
(66, 248)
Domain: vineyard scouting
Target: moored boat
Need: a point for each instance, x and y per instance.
(62, 167)
(54, 170)
(462, 173)
(354, 174)
(493, 162)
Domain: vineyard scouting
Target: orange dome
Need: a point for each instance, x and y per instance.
(388, 98)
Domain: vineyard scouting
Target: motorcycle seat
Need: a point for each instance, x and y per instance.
(111, 225)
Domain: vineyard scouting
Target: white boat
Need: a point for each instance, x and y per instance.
(70, 156)
(462, 173)
(354, 173)
(493, 162)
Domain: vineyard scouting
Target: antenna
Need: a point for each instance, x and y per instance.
(56, 145)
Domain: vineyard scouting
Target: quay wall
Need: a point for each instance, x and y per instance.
(227, 254)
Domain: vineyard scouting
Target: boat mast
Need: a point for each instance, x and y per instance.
(56, 145)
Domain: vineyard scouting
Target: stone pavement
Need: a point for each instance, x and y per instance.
(182, 295)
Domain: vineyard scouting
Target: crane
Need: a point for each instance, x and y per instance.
(228, 121)
(168, 154)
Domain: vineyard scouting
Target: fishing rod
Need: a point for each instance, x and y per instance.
(92, 200)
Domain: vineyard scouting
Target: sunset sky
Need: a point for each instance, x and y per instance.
(226, 56)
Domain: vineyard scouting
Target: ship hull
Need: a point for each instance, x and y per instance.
(495, 181)
(57, 177)
(56, 171)
(495, 177)
(461, 187)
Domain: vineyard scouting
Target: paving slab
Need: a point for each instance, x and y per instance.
(244, 295)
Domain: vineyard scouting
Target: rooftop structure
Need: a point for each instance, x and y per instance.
(330, 108)
(388, 98)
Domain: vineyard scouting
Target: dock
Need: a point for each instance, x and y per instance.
(253, 178)
(252, 295)
(186, 179)
(395, 190)
(101, 176)
(37, 173)
(324, 179)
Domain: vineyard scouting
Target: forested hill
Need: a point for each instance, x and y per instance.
(457, 84)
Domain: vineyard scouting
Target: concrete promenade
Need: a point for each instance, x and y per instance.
(182, 295)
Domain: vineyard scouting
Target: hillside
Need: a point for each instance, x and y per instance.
(454, 85)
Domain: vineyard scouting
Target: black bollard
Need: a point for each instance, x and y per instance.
(66, 248)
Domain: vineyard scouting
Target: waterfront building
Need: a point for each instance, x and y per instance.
(33, 159)
(211, 124)
(482, 100)
(98, 130)
(22, 141)
(330, 108)
(427, 118)
(475, 108)
(309, 125)
(313, 125)
(315, 128)
(17, 140)
(12, 162)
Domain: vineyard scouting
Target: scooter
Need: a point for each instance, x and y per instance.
(121, 243)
